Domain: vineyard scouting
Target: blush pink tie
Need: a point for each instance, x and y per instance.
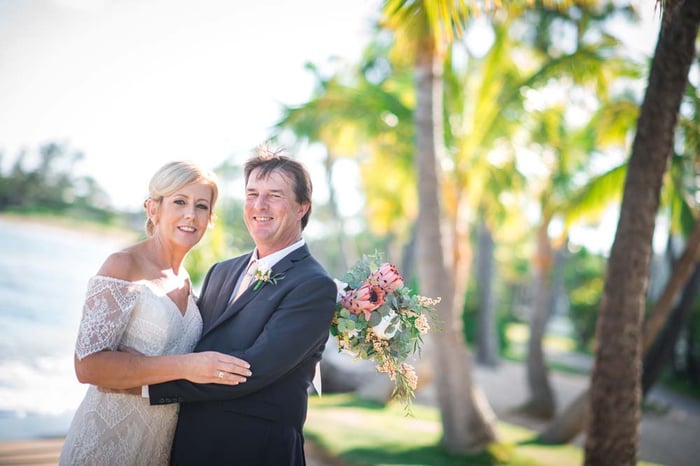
(247, 278)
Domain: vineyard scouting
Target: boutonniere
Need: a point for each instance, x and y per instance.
(263, 275)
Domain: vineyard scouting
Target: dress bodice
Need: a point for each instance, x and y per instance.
(111, 428)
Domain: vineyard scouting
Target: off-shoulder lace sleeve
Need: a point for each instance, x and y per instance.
(106, 312)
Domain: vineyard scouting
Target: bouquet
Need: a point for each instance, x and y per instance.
(378, 318)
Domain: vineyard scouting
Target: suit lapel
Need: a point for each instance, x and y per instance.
(231, 274)
(231, 309)
(290, 260)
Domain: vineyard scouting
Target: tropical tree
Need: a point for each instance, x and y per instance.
(584, 65)
(46, 179)
(482, 102)
(353, 117)
(426, 28)
(613, 431)
(680, 207)
(575, 417)
(322, 120)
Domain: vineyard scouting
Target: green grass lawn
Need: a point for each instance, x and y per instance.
(362, 433)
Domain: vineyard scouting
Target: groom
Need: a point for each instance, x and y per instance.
(278, 321)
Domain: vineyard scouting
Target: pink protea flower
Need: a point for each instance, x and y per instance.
(387, 277)
(364, 299)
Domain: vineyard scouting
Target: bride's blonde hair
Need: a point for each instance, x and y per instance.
(175, 175)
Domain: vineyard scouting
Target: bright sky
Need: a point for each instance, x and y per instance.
(136, 83)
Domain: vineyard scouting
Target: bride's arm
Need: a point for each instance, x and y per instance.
(126, 369)
(101, 360)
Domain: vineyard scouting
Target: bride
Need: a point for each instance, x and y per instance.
(140, 323)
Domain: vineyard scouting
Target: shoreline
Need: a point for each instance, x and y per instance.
(30, 426)
(65, 224)
(47, 263)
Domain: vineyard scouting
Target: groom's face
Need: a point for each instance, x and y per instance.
(271, 212)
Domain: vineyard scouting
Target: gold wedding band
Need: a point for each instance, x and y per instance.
(221, 375)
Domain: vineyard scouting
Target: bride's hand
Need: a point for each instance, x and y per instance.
(215, 367)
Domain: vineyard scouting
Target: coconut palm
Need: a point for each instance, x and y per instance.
(679, 191)
(613, 431)
(426, 28)
(368, 121)
(565, 149)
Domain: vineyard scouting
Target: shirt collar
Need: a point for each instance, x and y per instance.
(277, 256)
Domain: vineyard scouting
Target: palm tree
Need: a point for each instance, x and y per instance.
(427, 27)
(321, 121)
(575, 417)
(596, 63)
(679, 188)
(367, 121)
(613, 431)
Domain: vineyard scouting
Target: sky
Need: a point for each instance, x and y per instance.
(136, 83)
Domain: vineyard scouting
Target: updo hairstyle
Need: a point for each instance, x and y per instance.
(173, 176)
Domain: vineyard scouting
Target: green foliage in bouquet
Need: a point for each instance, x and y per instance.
(377, 318)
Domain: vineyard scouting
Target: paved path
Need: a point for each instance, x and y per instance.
(670, 427)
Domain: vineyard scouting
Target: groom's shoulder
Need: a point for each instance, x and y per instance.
(314, 266)
(226, 263)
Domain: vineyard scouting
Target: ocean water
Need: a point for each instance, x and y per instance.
(44, 271)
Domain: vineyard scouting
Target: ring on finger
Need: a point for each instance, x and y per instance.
(220, 375)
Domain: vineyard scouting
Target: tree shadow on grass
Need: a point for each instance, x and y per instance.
(433, 455)
(353, 402)
(536, 440)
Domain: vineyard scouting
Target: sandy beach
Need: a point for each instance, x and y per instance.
(42, 452)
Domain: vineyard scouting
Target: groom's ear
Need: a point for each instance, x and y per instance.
(303, 209)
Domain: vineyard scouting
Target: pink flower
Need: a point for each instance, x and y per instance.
(364, 299)
(387, 278)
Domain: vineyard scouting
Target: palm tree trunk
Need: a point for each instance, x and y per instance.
(541, 402)
(487, 333)
(682, 269)
(661, 352)
(468, 425)
(692, 363)
(613, 431)
(408, 256)
(346, 254)
(573, 419)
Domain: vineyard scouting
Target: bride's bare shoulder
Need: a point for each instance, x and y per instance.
(126, 264)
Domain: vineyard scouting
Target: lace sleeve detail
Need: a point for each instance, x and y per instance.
(106, 312)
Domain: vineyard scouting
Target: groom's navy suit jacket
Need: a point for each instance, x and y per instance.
(281, 329)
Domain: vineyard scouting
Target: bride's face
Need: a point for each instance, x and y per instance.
(183, 217)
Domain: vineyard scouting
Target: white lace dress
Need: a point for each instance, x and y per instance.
(119, 429)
